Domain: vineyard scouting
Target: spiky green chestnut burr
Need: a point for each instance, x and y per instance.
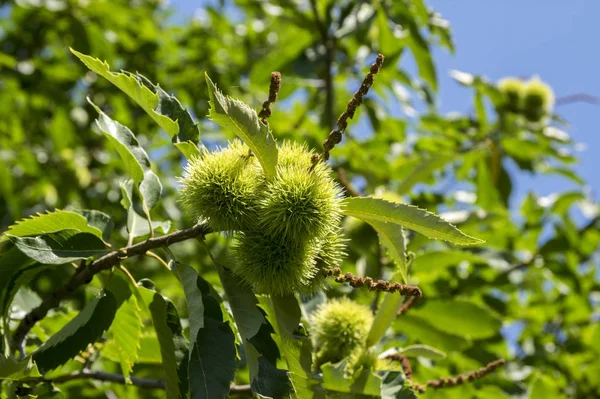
(538, 100)
(340, 329)
(302, 202)
(274, 266)
(512, 91)
(222, 188)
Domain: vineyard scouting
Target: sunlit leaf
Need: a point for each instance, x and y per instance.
(237, 118)
(131, 86)
(409, 216)
(52, 222)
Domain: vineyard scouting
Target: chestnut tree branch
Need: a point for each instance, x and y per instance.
(85, 275)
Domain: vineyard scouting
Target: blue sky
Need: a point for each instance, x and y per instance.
(556, 40)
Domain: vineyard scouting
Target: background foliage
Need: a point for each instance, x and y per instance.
(530, 294)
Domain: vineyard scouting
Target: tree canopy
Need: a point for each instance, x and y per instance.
(109, 287)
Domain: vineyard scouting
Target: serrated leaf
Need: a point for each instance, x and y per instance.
(131, 85)
(459, 317)
(13, 369)
(60, 247)
(382, 211)
(134, 157)
(125, 333)
(238, 118)
(170, 106)
(256, 332)
(51, 222)
(212, 359)
(86, 328)
(52, 324)
(363, 383)
(99, 220)
(296, 346)
(173, 344)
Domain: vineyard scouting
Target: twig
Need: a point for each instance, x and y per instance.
(330, 48)
(578, 97)
(335, 136)
(379, 285)
(240, 389)
(87, 274)
(406, 305)
(404, 362)
(461, 379)
(119, 379)
(351, 191)
(274, 87)
(100, 376)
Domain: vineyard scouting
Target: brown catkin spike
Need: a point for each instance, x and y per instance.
(274, 87)
(379, 285)
(443, 382)
(335, 136)
(406, 305)
(404, 362)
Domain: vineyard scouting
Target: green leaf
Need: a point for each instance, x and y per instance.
(459, 317)
(60, 247)
(395, 386)
(364, 383)
(392, 237)
(173, 344)
(238, 118)
(212, 360)
(422, 351)
(135, 158)
(422, 172)
(137, 226)
(99, 220)
(52, 222)
(125, 333)
(189, 149)
(379, 210)
(439, 260)
(168, 105)
(296, 346)
(386, 314)
(420, 330)
(12, 263)
(131, 85)
(12, 369)
(86, 328)
(291, 43)
(256, 332)
(543, 386)
(25, 300)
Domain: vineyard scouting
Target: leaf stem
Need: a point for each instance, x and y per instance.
(151, 254)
